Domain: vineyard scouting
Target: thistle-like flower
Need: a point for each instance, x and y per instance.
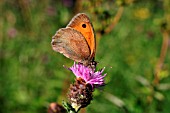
(95, 79)
(56, 108)
(80, 93)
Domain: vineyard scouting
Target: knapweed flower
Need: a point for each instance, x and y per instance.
(80, 92)
(95, 79)
(56, 108)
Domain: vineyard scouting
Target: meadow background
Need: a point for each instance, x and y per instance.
(132, 43)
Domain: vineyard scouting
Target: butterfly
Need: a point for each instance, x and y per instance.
(77, 41)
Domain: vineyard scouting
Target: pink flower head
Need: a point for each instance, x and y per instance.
(96, 79)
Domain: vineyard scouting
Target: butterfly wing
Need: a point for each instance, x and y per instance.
(82, 23)
(71, 44)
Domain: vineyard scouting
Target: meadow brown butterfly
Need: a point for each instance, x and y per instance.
(77, 40)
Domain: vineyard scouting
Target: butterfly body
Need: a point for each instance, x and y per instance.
(77, 40)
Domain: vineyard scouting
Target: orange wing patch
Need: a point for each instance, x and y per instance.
(82, 24)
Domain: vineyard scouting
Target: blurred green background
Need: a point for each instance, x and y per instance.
(129, 36)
